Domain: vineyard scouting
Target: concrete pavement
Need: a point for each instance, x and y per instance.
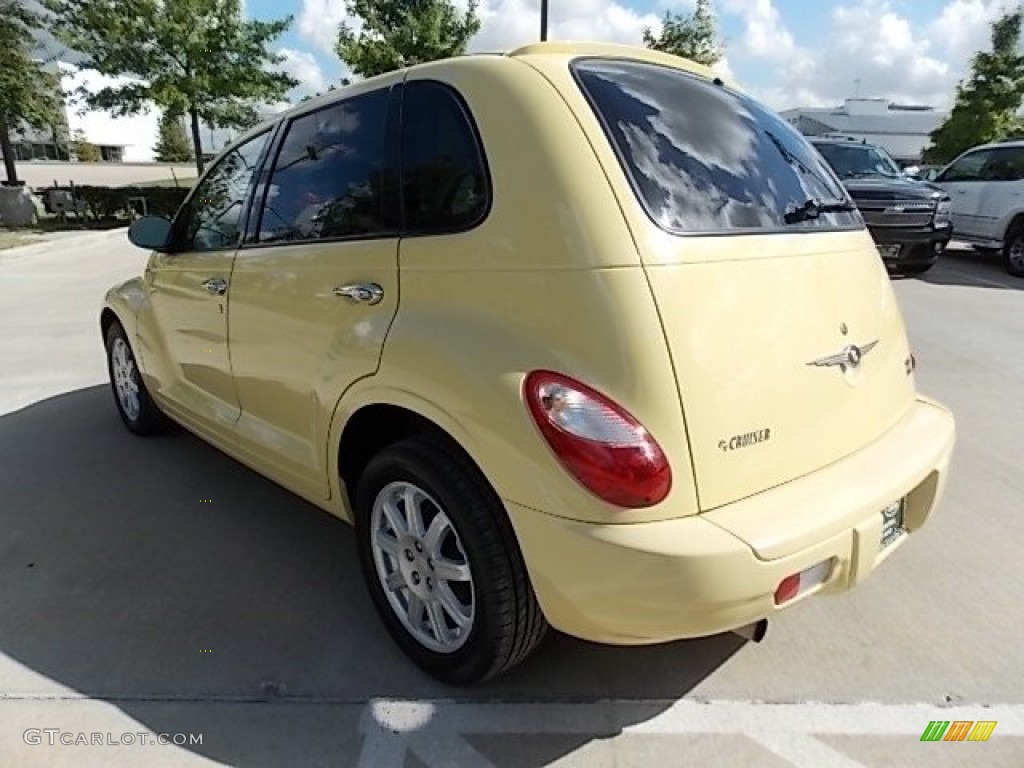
(157, 587)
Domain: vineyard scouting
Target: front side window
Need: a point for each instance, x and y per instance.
(858, 161)
(330, 176)
(967, 168)
(211, 220)
(444, 181)
(704, 159)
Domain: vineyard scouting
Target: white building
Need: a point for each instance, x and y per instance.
(903, 130)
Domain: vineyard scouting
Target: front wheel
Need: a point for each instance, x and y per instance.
(442, 563)
(137, 409)
(912, 270)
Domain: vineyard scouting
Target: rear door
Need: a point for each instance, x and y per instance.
(786, 339)
(314, 292)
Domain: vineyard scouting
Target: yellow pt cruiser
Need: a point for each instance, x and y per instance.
(577, 336)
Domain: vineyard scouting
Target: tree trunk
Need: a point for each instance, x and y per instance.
(8, 149)
(196, 141)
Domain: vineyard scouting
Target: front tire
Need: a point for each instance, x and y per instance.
(442, 563)
(913, 270)
(136, 408)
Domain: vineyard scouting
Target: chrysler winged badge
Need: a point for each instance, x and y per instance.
(850, 357)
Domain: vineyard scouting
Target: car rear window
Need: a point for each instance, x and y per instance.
(705, 159)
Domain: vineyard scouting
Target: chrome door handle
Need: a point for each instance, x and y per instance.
(364, 293)
(216, 285)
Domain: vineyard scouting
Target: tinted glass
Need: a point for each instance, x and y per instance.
(1004, 164)
(444, 181)
(852, 161)
(211, 219)
(968, 167)
(330, 174)
(703, 158)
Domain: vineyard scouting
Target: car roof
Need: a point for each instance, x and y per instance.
(1014, 144)
(841, 142)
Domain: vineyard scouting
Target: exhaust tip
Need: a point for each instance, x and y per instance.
(753, 633)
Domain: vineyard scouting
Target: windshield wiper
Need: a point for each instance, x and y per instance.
(813, 208)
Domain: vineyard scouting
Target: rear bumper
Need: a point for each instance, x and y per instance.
(701, 575)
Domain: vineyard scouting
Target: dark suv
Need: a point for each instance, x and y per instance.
(908, 218)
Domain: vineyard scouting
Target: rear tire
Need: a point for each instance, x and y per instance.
(442, 563)
(1013, 250)
(136, 408)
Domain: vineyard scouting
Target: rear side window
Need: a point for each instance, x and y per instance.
(331, 174)
(1005, 164)
(704, 159)
(444, 177)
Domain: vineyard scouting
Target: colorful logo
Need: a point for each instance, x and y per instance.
(958, 730)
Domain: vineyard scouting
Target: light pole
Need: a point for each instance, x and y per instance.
(543, 20)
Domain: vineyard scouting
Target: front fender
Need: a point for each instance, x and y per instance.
(126, 302)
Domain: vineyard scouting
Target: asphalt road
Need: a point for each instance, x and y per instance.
(157, 587)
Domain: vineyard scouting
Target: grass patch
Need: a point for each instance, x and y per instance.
(12, 238)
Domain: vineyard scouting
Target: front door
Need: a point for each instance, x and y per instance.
(188, 290)
(964, 182)
(314, 294)
(1002, 191)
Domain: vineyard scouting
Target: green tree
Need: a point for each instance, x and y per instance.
(172, 142)
(84, 151)
(193, 57)
(400, 33)
(692, 36)
(986, 104)
(29, 95)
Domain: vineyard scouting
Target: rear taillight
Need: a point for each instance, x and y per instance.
(600, 444)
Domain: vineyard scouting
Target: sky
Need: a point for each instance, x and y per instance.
(789, 53)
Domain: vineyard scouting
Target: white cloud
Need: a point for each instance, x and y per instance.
(318, 22)
(764, 34)
(303, 66)
(136, 133)
(868, 48)
(507, 24)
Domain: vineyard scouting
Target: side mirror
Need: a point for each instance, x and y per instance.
(150, 232)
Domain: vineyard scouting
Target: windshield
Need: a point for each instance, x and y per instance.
(851, 161)
(703, 158)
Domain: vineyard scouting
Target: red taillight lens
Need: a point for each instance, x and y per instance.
(788, 588)
(600, 444)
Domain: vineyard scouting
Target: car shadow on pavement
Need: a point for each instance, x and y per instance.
(198, 597)
(974, 269)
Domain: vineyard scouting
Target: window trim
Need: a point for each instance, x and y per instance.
(254, 222)
(481, 156)
(244, 214)
(627, 171)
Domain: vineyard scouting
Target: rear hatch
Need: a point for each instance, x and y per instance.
(786, 339)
